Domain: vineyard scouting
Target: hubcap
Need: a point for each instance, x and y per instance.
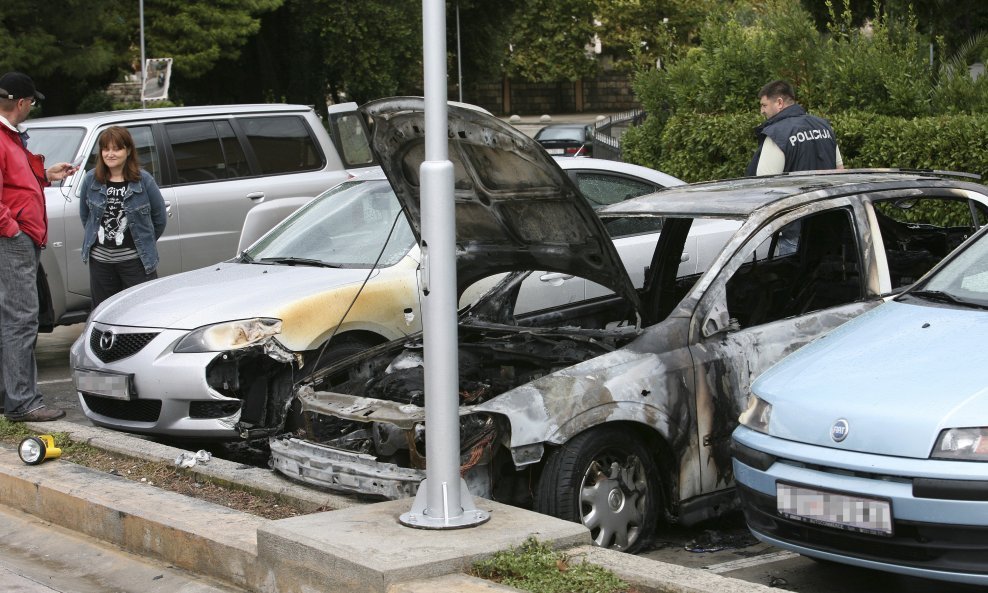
(613, 500)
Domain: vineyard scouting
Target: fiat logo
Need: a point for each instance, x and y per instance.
(106, 339)
(839, 430)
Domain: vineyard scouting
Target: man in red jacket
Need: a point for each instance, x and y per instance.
(23, 233)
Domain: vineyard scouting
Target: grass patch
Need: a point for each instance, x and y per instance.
(162, 475)
(536, 567)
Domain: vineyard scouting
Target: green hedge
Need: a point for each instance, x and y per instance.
(700, 146)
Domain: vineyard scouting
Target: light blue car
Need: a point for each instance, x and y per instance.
(869, 446)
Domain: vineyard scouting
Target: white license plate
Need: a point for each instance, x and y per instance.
(842, 511)
(556, 150)
(112, 385)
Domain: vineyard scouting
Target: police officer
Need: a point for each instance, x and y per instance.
(790, 139)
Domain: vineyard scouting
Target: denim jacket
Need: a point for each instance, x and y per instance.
(145, 210)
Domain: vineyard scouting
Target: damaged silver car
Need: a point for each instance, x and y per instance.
(616, 411)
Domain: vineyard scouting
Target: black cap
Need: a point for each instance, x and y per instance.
(17, 85)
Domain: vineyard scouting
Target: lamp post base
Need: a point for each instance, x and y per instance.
(418, 519)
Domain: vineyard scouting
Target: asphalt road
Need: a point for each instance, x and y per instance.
(723, 546)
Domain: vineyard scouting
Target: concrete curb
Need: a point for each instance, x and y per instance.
(358, 548)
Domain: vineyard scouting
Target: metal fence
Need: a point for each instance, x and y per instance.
(607, 133)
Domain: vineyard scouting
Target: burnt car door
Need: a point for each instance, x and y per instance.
(798, 276)
(802, 275)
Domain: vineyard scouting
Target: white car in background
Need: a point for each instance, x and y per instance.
(213, 353)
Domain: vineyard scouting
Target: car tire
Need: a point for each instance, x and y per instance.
(606, 480)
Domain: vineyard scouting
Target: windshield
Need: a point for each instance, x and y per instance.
(352, 225)
(965, 278)
(58, 145)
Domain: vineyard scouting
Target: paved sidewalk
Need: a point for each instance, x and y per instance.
(37, 557)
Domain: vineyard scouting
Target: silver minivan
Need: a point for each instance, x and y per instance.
(213, 164)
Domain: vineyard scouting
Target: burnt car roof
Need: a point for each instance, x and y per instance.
(738, 198)
(516, 209)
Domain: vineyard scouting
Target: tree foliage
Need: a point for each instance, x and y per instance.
(714, 53)
(550, 40)
(66, 62)
(197, 35)
(879, 68)
(98, 42)
(642, 33)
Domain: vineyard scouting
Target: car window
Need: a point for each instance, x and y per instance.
(818, 269)
(351, 140)
(56, 144)
(549, 133)
(603, 189)
(147, 151)
(281, 144)
(919, 231)
(626, 227)
(233, 153)
(197, 151)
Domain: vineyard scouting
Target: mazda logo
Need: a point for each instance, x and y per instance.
(839, 430)
(106, 339)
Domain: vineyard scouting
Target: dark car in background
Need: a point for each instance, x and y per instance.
(566, 139)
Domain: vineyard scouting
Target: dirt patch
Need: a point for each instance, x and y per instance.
(163, 475)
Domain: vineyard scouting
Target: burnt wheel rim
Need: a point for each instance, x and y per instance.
(612, 500)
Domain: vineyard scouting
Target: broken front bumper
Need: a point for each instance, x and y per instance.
(343, 471)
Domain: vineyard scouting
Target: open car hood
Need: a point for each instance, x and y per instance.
(515, 208)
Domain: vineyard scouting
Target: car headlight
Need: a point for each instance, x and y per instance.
(965, 444)
(757, 415)
(229, 335)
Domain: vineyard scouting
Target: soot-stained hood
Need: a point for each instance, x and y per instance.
(515, 208)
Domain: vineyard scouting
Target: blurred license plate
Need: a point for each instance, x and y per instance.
(555, 150)
(851, 513)
(112, 385)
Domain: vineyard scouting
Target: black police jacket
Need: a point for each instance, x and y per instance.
(807, 141)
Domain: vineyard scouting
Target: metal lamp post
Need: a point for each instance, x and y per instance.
(443, 500)
(144, 78)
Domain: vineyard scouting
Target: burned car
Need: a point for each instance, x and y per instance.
(615, 411)
(214, 353)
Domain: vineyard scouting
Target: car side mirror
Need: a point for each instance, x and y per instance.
(719, 322)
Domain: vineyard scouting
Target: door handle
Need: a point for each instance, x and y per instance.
(257, 196)
(168, 208)
(555, 277)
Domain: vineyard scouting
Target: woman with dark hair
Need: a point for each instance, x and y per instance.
(123, 214)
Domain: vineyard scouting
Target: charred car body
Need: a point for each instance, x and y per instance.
(615, 412)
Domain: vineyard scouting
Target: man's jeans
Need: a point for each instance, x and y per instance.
(19, 258)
